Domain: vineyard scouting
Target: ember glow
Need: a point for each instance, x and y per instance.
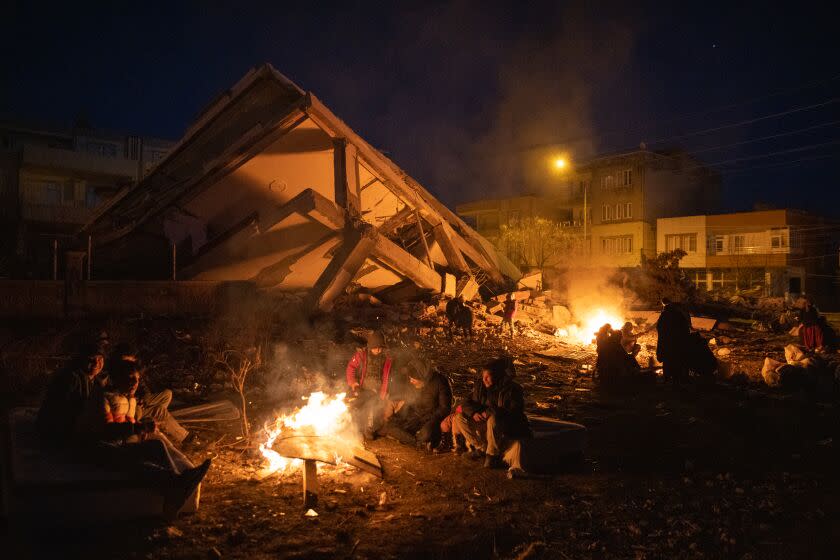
(323, 417)
(584, 331)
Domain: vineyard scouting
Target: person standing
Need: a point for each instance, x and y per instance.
(811, 331)
(509, 314)
(673, 329)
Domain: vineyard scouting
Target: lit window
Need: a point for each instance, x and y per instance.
(626, 177)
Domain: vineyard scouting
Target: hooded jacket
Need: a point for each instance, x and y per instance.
(506, 401)
(357, 371)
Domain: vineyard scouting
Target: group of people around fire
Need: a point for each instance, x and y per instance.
(98, 408)
(408, 399)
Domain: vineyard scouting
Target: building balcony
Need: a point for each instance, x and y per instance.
(54, 214)
(55, 158)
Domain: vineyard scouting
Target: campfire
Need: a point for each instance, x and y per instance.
(583, 331)
(321, 429)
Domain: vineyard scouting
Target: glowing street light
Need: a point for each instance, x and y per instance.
(560, 163)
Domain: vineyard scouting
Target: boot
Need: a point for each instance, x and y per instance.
(493, 462)
(182, 488)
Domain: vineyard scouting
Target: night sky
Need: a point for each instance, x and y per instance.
(468, 97)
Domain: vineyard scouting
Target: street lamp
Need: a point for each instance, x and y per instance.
(560, 163)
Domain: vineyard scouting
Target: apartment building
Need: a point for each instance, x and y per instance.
(52, 180)
(774, 251)
(613, 201)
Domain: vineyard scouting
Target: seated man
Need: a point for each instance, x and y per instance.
(68, 393)
(151, 405)
(428, 401)
(112, 436)
(368, 377)
(629, 340)
(493, 417)
(614, 363)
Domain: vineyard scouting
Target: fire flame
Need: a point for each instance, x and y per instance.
(584, 331)
(320, 416)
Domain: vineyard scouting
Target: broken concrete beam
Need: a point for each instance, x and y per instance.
(399, 219)
(493, 319)
(308, 203)
(467, 288)
(532, 281)
(341, 270)
(443, 235)
(396, 258)
(496, 308)
(520, 295)
(703, 323)
(449, 285)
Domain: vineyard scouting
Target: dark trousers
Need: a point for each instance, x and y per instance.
(675, 370)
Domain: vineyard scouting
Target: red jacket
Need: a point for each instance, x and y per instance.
(357, 370)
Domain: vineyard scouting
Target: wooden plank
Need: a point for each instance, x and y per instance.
(365, 460)
(310, 484)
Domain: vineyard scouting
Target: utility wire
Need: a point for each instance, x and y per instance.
(761, 139)
(746, 122)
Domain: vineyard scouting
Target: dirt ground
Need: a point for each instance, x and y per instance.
(702, 471)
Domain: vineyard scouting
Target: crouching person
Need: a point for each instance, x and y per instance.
(492, 420)
(428, 401)
(368, 377)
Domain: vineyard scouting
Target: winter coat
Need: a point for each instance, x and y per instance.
(68, 394)
(435, 398)
(510, 309)
(506, 401)
(357, 371)
(672, 328)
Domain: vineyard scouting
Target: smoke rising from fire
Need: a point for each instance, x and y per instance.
(525, 78)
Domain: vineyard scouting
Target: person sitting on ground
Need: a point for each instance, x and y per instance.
(614, 363)
(673, 329)
(111, 435)
(427, 402)
(508, 315)
(492, 420)
(369, 378)
(68, 393)
(151, 405)
(629, 340)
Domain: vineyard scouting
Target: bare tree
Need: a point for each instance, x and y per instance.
(539, 242)
(238, 364)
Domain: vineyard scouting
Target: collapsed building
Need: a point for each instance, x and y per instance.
(269, 186)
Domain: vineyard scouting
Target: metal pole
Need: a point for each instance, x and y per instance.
(585, 216)
(174, 261)
(89, 255)
(55, 259)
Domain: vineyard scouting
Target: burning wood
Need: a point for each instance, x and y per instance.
(321, 431)
(583, 331)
